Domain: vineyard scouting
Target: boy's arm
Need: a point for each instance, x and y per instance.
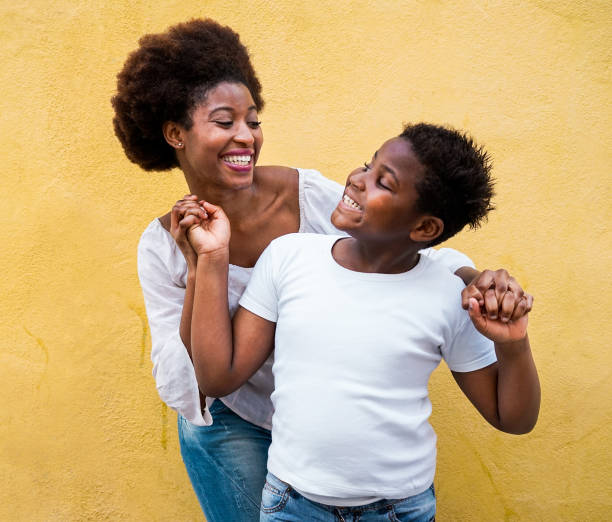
(506, 393)
(223, 357)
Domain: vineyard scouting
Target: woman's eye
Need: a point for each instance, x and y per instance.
(225, 124)
(254, 124)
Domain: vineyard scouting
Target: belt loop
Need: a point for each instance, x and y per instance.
(339, 515)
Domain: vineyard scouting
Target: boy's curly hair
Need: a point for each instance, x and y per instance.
(167, 77)
(457, 186)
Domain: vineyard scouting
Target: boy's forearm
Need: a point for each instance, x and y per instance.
(518, 387)
(211, 328)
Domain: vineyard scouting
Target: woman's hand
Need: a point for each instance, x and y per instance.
(186, 213)
(212, 233)
(498, 295)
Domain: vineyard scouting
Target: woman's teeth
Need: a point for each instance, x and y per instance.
(350, 202)
(241, 161)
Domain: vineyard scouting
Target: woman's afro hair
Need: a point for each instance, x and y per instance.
(167, 77)
(457, 186)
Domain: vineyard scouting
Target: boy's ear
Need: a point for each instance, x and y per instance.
(173, 133)
(428, 229)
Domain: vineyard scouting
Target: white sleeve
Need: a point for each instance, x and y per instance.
(260, 296)
(319, 197)
(172, 368)
(468, 350)
(451, 258)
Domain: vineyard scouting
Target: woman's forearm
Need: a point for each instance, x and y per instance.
(518, 387)
(185, 326)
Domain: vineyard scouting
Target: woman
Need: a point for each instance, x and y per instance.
(189, 98)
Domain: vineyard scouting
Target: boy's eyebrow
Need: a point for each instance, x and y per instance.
(392, 172)
(388, 169)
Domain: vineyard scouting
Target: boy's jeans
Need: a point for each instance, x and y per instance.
(281, 502)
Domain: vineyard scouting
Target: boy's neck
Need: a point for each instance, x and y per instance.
(375, 257)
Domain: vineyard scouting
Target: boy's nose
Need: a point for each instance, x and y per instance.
(356, 179)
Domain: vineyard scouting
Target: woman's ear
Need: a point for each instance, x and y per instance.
(428, 229)
(173, 133)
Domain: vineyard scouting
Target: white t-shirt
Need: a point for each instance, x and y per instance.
(353, 356)
(162, 271)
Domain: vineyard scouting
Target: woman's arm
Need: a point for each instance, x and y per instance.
(506, 393)
(172, 368)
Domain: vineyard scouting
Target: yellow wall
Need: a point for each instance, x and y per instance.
(83, 435)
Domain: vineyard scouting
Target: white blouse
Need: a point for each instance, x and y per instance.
(162, 271)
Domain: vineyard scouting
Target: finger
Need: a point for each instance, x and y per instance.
(507, 306)
(211, 209)
(468, 292)
(491, 304)
(196, 211)
(479, 320)
(190, 197)
(188, 222)
(500, 280)
(523, 307)
(515, 288)
(484, 281)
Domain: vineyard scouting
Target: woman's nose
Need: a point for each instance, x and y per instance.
(244, 134)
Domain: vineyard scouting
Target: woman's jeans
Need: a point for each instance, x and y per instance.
(226, 463)
(281, 502)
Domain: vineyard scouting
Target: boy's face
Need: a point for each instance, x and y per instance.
(379, 201)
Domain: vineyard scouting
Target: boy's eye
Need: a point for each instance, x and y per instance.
(366, 166)
(382, 184)
(254, 124)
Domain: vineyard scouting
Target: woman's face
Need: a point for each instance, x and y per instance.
(224, 141)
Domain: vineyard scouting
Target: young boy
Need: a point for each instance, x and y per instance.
(358, 324)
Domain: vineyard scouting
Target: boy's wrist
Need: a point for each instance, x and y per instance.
(513, 348)
(219, 254)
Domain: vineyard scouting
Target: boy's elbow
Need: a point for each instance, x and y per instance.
(519, 428)
(216, 389)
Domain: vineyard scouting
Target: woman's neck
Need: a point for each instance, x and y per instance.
(237, 204)
(376, 257)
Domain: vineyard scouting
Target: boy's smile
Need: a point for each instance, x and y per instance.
(380, 199)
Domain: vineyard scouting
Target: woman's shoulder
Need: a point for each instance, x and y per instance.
(277, 178)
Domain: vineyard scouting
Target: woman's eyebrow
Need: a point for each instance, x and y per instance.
(230, 109)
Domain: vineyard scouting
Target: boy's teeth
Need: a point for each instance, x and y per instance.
(238, 160)
(350, 202)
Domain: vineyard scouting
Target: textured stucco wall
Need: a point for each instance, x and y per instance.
(83, 435)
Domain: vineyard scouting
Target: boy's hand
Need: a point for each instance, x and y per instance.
(212, 233)
(495, 329)
(185, 214)
(499, 296)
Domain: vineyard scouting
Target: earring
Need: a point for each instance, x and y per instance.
(179, 145)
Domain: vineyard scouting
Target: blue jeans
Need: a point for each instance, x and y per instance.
(226, 463)
(281, 502)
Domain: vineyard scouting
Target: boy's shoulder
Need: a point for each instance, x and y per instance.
(302, 240)
(436, 275)
(300, 247)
